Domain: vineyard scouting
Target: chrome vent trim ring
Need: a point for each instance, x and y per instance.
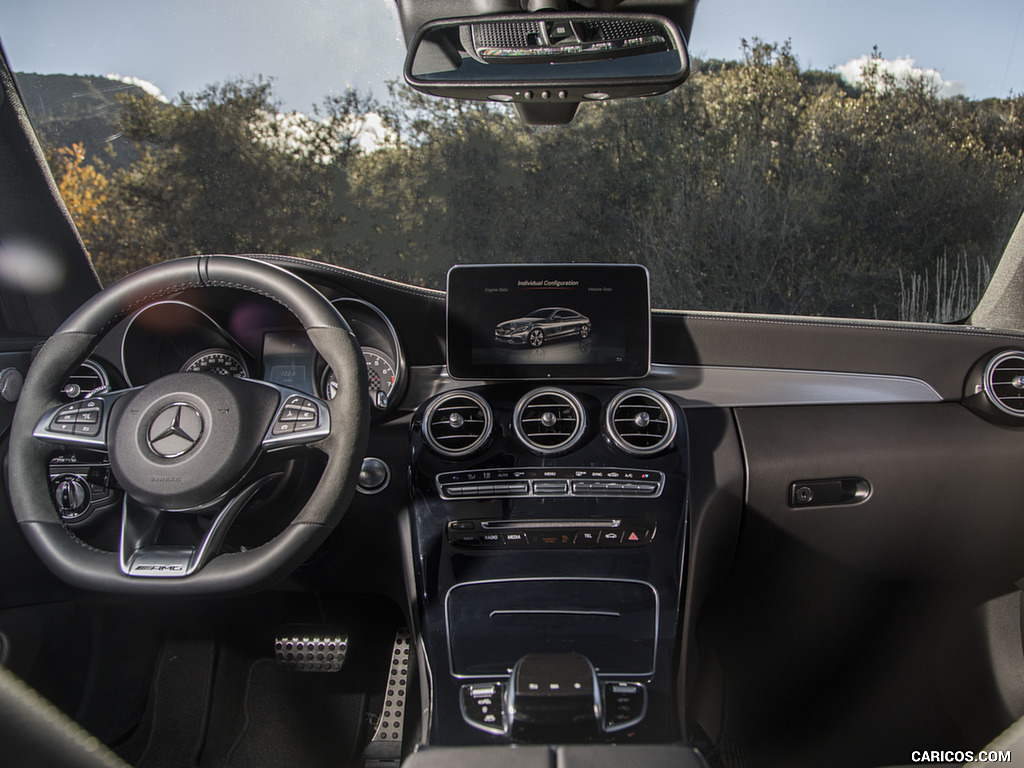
(549, 420)
(640, 421)
(1003, 382)
(457, 423)
(88, 377)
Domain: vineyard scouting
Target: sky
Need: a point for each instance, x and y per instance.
(313, 48)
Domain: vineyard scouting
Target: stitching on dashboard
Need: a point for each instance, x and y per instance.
(352, 274)
(239, 286)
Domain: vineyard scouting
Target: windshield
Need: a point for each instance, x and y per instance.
(847, 160)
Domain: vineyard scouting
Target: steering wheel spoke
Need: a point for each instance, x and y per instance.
(142, 556)
(82, 423)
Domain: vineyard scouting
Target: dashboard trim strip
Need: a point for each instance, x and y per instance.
(714, 386)
(531, 612)
(696, 386)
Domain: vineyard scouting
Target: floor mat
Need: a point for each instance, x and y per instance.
(286, 719)
(172, 731)
(217, 700)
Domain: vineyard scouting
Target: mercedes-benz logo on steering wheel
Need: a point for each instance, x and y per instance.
(175, 431)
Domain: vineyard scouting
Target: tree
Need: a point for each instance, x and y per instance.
(756, 187)
(83, 188)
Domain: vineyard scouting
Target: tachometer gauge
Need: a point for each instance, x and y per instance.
(380, 370)
(218, 361)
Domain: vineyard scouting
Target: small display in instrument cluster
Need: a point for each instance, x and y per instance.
(288, 360)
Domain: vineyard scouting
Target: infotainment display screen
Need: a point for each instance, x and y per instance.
(549, 321)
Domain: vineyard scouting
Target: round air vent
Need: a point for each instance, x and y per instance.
(640, 421)
(1003, 381)
(88, 377)
(457, 423)
(549, 421)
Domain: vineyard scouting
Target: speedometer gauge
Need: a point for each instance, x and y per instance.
(218, 361)
(380, 371)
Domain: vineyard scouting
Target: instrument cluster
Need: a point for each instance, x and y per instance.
(254, 338)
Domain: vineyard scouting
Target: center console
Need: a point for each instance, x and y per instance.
(550, 519)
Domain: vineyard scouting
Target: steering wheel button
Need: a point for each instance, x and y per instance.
(306, 415)
(289, 414)
(90, 405)
(65, 427)
(66, 418)
(90, 416)
(284, 428)
(73, 408)
(304, 426)
(87, 430)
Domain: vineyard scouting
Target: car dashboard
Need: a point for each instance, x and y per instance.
(623, 561)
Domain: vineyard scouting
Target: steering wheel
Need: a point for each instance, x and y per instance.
(187, 443)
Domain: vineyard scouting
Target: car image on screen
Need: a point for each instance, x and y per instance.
(542, 325)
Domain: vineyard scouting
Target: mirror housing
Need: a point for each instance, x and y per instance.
(553, 59)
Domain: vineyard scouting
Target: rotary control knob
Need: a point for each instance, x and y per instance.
(72, 495)
(373, 477)
(11, 381)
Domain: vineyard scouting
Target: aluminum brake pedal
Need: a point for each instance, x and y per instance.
(310, 648)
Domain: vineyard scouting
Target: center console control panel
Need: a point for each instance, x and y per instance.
(549, 534)
(549, 523)
(525, 482)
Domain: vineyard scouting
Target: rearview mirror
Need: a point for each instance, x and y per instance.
(554, 58)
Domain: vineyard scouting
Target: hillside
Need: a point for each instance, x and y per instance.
(80, 108)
